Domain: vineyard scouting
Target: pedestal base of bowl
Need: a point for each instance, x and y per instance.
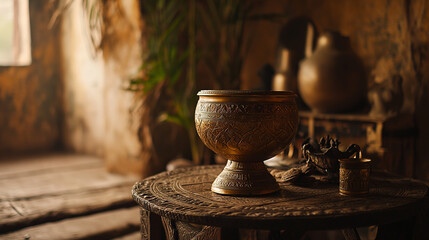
(244, 179)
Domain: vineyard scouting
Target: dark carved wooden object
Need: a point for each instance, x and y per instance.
(184, 195)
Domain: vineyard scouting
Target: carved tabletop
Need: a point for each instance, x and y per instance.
(184, 195)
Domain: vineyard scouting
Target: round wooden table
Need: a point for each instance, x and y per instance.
(184, 196)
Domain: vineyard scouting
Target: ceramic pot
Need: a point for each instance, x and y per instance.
(332, 79)
(297, 39)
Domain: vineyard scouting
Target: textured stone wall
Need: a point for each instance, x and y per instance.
(101, 118)
(391, 33)
(31, 96)
(83, 85)
(122, 57)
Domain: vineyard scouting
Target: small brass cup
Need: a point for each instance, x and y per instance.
(354, 176)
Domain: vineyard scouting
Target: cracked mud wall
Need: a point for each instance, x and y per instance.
(31, 96)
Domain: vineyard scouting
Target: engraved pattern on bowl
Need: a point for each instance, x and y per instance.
(244, 130)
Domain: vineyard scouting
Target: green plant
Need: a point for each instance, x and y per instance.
(181, 36)
(164, 79)
(224, 46)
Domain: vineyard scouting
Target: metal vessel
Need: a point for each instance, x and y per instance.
(246, 127)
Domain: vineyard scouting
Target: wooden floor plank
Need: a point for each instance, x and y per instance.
(104, 225)
(13, 167)
(131, 236)
(59, 182)
(79, 185)
(35, 211)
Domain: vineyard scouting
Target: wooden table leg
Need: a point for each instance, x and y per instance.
(422, 222)
(286, 234)
(150, 226)
(170, 229)
(397, 230)
(229, 234)
(350, 234)
(209, 232)
(196, 232)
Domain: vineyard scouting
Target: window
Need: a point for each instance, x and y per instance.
(15, 43)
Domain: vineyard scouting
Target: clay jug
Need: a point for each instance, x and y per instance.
(297, 39)
(332, 79)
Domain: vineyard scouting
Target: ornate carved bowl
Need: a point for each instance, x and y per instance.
(246, 127)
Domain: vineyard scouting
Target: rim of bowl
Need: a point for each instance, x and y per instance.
(355, 160)
(245, 93)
